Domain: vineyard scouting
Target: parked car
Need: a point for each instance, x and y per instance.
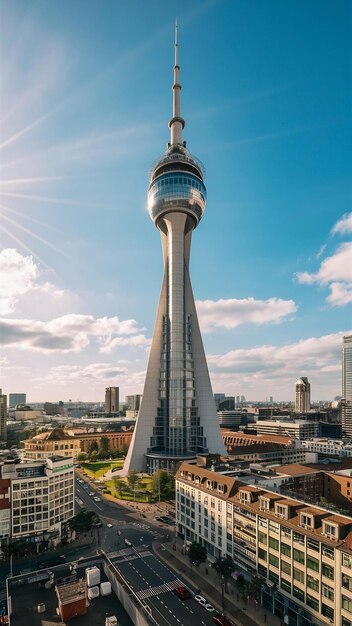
(208, 607)
(96, 499)
(92, 493)
(128, 543)
(109, 525)
(182, 593)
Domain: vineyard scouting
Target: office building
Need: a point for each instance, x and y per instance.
(346, 401)
(42, 497)
(302, 552)
(3, 415)
(231, 419)
(302, 400)
(17, 398)
(112, 399)
(177, 417)
(300, 429)
(68, 443)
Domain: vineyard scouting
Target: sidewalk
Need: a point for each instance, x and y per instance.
(241, 612)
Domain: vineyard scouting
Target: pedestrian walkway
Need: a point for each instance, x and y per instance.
(243, 613)
(156, 591)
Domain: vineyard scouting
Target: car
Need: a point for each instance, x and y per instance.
(91, 493)
(200, 600)
(128, 543)
(109, 525)
(79, 480)
(182, 593)
(208, 607)
(96, 499)
(221, 620)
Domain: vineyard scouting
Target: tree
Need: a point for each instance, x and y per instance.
(224, 566)
(104, 447)
(163, 485)
(83, 521)
(120, 485)
(93, 447)
(133, 479)
(197, 553)
(82, 456)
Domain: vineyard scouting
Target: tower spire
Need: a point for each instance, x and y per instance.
(176, 123)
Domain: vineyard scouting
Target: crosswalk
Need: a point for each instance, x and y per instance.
(156, 591)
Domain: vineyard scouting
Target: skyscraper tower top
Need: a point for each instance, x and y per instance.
(169, 190)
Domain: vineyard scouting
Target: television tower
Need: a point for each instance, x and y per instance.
(177, 418)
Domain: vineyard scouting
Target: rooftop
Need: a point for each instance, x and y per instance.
(26, 596)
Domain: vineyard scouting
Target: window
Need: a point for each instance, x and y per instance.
(312, 602)
(298, 593)
(329, 552)
(286, 585)
(328, 592)
(347, 560)
(313, 564)
(328, 571)
(347, 604)
(307, 520)
(298, 537)
(274, 543)
(313, 545)
(262, 554)
(285, 549)
(298, 575)
(298, 556)
(330, 530)
(312, 583)
(347, 582)
(327, 611)
(273, 560)
(286, 568)
(346, 622)
(281, 511)
(274, 577)
(286, 532)
(262, 538)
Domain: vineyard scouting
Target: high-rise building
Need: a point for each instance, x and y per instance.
(133, 402)
(177, 417)
(346, 401)
(3, 415)
(112, 400)
(302, 402)
(17, 398)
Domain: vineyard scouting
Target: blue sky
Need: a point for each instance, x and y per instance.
(86, 100)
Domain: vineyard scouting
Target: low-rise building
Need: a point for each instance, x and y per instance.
(330, 447)
(54, 442)
(303, 553)
(299, 429)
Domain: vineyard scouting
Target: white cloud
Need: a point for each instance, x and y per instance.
(17, 276)
(336, 272)
(96, 375)
(70, 333)
(231, 313)
(269, 367)
(344, 225)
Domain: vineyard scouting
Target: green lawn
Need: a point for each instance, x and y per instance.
(99, 468)
(140, 496)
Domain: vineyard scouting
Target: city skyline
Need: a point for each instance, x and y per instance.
(271, 264)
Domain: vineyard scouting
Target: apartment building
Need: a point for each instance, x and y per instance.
(41, 497)
(303, 553)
